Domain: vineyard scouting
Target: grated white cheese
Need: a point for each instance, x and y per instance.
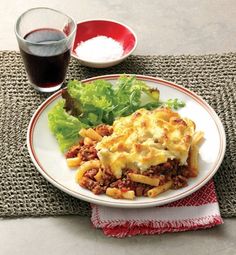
(99, 49)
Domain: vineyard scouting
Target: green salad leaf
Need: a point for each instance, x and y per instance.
(99, 101)
(64, 126)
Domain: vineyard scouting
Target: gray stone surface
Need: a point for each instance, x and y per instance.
(75, 235)
(162, 27)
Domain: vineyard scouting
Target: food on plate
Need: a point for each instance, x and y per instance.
(125, 141)
(142, 154)
(89, 104)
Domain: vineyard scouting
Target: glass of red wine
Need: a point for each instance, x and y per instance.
(45, 37)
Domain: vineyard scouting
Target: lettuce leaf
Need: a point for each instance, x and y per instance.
(128, 95)
(64, 126)
(95, 100)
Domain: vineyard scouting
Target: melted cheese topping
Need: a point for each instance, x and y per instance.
(144, 139)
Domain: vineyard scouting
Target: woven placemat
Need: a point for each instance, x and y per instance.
(24, 192)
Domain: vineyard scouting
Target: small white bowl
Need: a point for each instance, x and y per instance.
(119, 32)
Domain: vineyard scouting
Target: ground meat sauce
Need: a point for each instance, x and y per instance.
(86, 152)
(124, 183)
(91, 173)
(73, 152)
(97, 187)
(170, 167)
(179, 181)
(108, 180)
(104, 130)
(92, 185)
(171, 170)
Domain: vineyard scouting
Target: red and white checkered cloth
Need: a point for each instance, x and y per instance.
(197, 211)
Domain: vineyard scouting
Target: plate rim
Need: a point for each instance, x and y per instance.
(118, 203)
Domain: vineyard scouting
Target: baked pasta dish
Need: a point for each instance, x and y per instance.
(143, 154)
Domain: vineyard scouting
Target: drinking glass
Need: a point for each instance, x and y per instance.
(45, 37)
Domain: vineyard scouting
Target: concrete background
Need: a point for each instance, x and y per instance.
(163, 27)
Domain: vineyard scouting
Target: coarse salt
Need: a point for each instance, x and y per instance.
(99, 49)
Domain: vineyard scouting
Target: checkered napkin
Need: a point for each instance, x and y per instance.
(197, 211)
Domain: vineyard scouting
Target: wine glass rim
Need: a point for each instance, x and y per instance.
(46, 8)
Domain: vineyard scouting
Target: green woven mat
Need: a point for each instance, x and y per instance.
(24, 192)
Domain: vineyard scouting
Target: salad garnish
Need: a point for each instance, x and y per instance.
(86, 105)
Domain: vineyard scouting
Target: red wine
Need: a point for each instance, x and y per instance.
(46, 65)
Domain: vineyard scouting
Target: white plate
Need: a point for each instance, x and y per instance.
(51, 163)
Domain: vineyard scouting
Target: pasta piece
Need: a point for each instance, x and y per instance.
(144, 179)
(88, 141)
(160, 189)
(74, 162)
(194, 154)
(90, 133)
(193, 161)
(165, 114)
(114, 193)
(128, 194)
(98, 176)
(118, 194)
(85, 167)
(197, 137)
